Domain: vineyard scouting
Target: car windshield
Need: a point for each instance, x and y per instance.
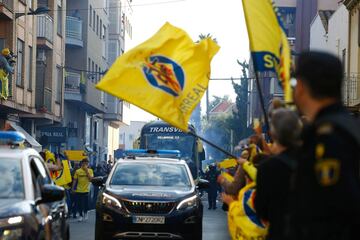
(151, 174)
(11, 184)
(182, 142)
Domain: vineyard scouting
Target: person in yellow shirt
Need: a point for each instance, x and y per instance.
(81, 187)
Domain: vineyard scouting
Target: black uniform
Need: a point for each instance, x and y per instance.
(273, 182)
(211, 175)
(327, 185)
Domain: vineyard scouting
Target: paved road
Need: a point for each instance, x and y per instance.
(214, 227)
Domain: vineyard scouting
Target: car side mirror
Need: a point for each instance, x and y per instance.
(51, 193)
(202, 184)
(98, 181)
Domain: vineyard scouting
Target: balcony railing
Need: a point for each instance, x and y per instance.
(9, 4)
(351, 90)
(74, 31)
(45, 27)
(72, 82)
(47, 99)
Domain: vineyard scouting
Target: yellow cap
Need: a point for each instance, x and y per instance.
(5, 52)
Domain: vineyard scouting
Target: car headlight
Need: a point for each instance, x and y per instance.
(110, 201)
(187, 203)
(11, 234)
(10, 226)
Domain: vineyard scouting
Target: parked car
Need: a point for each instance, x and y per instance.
(31, 205)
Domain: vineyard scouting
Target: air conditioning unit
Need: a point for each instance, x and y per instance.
(41, 55)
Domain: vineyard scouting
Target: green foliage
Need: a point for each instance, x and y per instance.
(218, 129)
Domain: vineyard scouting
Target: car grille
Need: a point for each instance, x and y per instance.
(149, 207)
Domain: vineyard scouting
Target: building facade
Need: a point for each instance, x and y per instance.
(35, 90)
(352, 80)
(87, 24)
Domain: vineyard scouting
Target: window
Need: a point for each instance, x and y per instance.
(97, 24)
(94, 19)
(11, 172)
(92, 71)
(90, 16)
(96, 73)
(59, 80)
(89, 64)
(59, 20)
(2, 43)
(29, 68)
(96, 130)
(101, 30)
(20, 63)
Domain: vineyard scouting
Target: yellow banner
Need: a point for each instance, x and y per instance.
(75, 155)
(63, 176)
(166, 75)
(269, 46)
(228, 163)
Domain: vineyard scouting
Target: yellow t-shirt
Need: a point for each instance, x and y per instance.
(83, 181)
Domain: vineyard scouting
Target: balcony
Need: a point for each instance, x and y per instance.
(6, 9)
(45, 31)
(73, 87)
(113, 109)
(80, 93)
(44, 100)
(74, 31)
(351, 90)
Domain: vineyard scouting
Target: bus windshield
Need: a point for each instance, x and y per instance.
(166, 141)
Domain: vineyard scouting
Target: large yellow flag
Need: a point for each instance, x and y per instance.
(269, 46)
(166, 75)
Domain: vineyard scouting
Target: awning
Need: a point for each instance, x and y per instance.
(28, 138)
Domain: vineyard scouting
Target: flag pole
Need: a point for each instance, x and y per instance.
(213, 145)
(261, 97)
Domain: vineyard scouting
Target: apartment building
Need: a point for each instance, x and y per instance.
(18, 33)
(50, 63)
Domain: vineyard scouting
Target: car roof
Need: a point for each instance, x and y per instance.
(16, 152)
(151, 160)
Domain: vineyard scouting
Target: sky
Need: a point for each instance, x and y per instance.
(224, 20)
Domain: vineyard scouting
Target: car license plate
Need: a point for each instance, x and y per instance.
(149, 220)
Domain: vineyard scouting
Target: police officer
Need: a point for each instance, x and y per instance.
(211, 175)
(327, 180)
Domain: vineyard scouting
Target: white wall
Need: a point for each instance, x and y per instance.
(113, 140)
(318, 36)
(128, 134)
(338, 35)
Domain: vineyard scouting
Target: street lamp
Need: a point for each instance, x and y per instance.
(38, 11)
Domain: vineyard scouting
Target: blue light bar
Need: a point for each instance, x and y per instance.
(11, 137)
(145, 152)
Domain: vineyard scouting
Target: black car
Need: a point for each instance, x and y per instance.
(149, 197)
(32, 207)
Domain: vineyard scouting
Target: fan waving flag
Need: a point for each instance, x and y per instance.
(166, 75)
(269, 46)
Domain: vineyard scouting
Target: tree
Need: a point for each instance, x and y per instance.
(239, 121)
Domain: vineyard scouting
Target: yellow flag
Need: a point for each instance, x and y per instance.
(166, 75)
(63, 176)
(228, 176)
(268, 43)
(228, 163)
